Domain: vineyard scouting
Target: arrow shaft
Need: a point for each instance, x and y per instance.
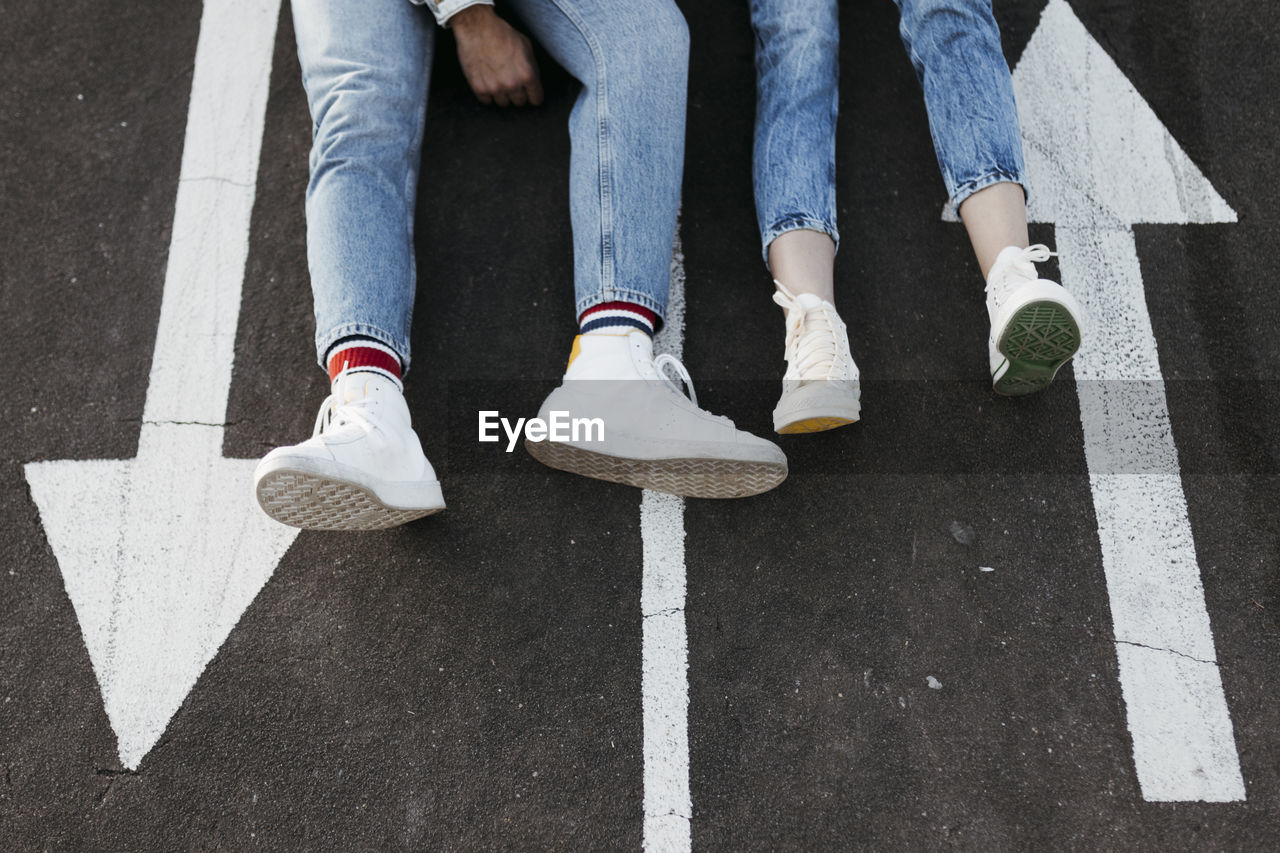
(195, 341)
(1184, 747)
(668, 803)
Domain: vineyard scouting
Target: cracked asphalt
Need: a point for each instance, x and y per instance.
(908, 645)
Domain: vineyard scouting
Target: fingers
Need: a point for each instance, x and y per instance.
(519, 85)
(498, 63)
(513, 90)
(533, 89)
(531, 85)
(492, 90)
(513, 82)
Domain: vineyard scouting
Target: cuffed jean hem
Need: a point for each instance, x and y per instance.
(968, 188)
(793, 223)
(347, 330)
(619, 294)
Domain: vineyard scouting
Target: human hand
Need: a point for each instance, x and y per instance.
(496, 59)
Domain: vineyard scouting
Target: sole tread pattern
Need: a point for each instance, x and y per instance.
(1037, 341)
(312, 502)
(694, 478)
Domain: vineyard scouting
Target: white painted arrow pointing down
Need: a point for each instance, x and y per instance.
(161, 554)
(1099, 161)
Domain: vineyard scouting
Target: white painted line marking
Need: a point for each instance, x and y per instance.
(161, 554)
(665, 683)
(1098, 161)
(668, 806)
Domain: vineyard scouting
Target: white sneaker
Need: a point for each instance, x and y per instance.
(654, 436)
(820, 390)
(362, 469)
(1035, 323)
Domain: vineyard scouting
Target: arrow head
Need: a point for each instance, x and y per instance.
(1095, 151)
(160, 556)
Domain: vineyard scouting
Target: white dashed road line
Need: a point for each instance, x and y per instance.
(668, 806)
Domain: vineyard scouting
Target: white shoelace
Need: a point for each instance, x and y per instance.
(682, 375)
(1019, 271)
(335, 413)
(811, 336)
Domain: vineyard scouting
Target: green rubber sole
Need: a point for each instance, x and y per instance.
(1040, 338)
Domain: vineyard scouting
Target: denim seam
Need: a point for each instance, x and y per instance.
(605, 158)
(796, 223)
(347, 330)
(987, 179)
(410, 194)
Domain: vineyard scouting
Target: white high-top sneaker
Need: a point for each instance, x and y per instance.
(1035, 323)
(654, 436)
(820, 389)
(362, 469)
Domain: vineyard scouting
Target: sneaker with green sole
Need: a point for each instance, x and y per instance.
(1035, 323)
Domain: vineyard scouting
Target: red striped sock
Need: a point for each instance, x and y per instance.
(616, 318)
(364, 355)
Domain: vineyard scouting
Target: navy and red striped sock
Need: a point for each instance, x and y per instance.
(364, 355)
(616, 318)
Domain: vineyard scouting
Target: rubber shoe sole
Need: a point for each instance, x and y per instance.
(314, 501)
(1037, 340)
(693, 478)
(816, 407)
(815, 424)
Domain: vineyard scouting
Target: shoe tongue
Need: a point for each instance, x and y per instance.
(610, 356)
(807, 301)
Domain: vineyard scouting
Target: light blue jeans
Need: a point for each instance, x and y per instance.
(366, 67)
(954, 46)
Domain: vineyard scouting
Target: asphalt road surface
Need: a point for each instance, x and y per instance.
(915, 642)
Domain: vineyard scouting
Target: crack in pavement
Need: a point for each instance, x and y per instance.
(1170, 651)
(190, 423)
(219, 180)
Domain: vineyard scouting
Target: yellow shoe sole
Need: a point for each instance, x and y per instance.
(814, 425)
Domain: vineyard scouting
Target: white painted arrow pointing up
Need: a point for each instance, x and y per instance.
(161, 554)
(1099, 161)
(1096, 152)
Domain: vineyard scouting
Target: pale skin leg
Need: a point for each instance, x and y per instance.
(994, 216)
(804, 261)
